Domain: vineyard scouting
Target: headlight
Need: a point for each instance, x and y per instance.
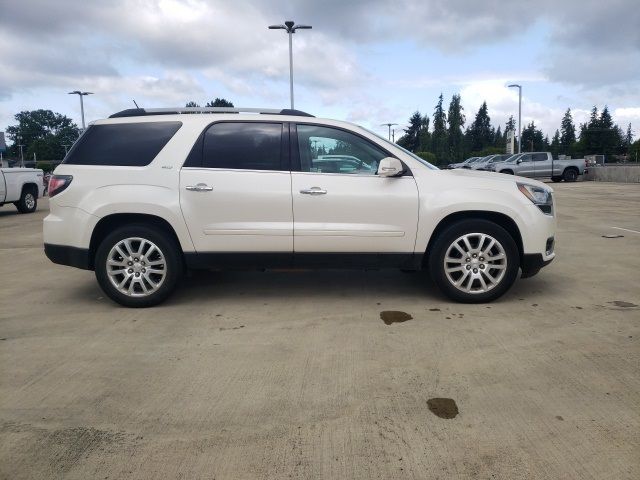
(540, 196)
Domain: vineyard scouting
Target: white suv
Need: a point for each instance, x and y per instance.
(146, 194)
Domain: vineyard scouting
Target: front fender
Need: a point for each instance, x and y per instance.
(438, 205)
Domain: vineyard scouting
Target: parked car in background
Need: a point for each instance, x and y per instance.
(145, 194)
(484, 162)
(461, 164)
(22, 187)
(541, 165)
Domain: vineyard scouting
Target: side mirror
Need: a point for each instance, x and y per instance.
(390, 167)
(518, 161)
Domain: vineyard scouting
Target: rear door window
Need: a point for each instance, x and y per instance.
(122, 144)
(243, 145)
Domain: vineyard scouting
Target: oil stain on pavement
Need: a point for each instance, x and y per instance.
(392, 316)
(620, 303)
(443, 407)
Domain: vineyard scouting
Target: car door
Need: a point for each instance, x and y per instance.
(526, 166)
(542, 164)
(348, 216)
(235, 190)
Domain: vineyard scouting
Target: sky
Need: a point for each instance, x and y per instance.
(365, 61)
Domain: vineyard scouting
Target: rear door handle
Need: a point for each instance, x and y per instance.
(200, 187)
(313, 191)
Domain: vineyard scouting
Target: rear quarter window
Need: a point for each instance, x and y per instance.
(122, 144)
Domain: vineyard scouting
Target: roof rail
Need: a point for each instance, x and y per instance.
(141, 112)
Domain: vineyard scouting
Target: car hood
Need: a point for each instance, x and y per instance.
(493, 176)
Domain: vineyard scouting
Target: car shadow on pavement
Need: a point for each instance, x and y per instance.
(305, 284)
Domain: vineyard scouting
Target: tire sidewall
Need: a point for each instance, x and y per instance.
(163, 241)
(456, 230)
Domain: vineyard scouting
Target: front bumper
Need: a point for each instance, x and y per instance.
(532, 263)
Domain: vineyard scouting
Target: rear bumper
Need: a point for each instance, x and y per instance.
(65, 255)
(532, 263)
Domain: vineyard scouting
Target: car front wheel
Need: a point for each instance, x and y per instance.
(474, 261)
(138, 266)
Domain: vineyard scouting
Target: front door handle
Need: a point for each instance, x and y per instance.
(200, 187)
(313, 191)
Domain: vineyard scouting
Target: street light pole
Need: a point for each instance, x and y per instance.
(519, 87)
(290, 28)
(20, 145)
(81, 94)
(389, 125)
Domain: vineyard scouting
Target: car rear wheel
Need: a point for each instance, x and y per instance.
(474, 261)
(570, 175)
(28, 201)
(138, 266)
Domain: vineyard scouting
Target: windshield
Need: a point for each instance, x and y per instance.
(412, 155)
(512, 158)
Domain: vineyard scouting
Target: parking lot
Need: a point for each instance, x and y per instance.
(296, 374)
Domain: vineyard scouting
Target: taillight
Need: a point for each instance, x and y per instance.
(58, 183)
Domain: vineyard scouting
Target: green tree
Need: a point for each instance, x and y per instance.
(455, 135)
(479, 134)
(439, 144)
(192, 104)
(414, 133)
(567, 134)
(424, 138)
(42, 132)
(532, 139)
(555, 145)
(219, 102)
(628, 139)
(498, 138)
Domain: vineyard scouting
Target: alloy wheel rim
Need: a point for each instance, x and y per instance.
(475, 263)
(29, 201)
(136, 267)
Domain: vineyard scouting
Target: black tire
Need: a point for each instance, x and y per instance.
(167, 246)
(28, 202)
(556, 179)
(570, 175)
(508, 172)
(463, 227)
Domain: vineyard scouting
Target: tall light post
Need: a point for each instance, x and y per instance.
(20, 145)
(291, 28)
(519, 87)
(389, 125)
(81, 94)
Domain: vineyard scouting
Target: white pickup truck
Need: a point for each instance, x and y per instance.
(22, 187)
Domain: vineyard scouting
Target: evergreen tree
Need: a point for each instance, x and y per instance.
(424, 138)
(455, 136)
(439, 145)
(498, 138)
(568, 133)
(411, 138)
(191, 104)
(628, 139)
(532, 139)
(555, 146)
(479, 135)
